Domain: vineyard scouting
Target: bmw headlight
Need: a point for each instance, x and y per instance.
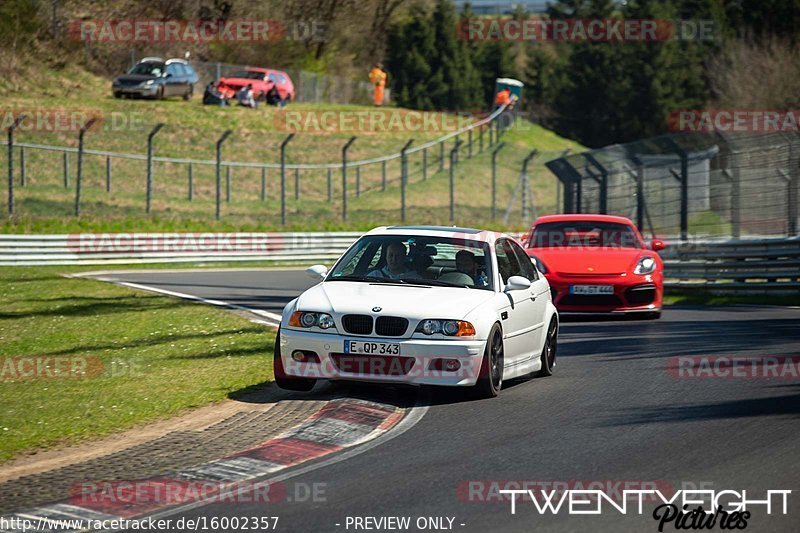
(450, 328)
(539, 264)
(646, 265)
(303, 319)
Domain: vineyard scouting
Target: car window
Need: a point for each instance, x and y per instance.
(507, 261)
(173, 69)
(189, 70)
(421, 259)
(584, 233)
(148, 69)
(529, 271)
(282, 78)
(272, 78)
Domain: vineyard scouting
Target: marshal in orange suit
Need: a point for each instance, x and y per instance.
(378, 79)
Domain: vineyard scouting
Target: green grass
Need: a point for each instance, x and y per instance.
(701, 297)
(45, 205)
(155, 357)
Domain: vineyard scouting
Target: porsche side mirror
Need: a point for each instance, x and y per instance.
(657, 245)
(317, 271)
(517, 283)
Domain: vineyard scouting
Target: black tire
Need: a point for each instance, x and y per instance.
(283, 380)
(188, 95)
(549, 350)
(490, 378)
(160, 93)
(117, 95)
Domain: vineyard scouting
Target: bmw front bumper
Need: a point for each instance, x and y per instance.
(416, 363)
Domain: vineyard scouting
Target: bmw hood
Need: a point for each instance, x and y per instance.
(588, 261)
(414, 302)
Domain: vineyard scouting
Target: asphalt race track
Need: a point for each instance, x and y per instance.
(612, 412)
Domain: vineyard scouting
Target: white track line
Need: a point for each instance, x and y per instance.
(271, 319)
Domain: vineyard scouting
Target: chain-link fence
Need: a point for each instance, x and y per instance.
(264, 184)
(700, 184)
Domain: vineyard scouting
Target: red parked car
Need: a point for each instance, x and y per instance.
(598, 264)
(262, 79)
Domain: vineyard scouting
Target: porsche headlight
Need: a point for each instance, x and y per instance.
(451, 328)
(539, 264)
(646, 265)
(303, 319)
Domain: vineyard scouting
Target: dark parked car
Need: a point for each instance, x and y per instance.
(153, 77)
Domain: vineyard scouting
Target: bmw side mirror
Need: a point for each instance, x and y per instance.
(657, 245)
(317, 271)
(517, 283)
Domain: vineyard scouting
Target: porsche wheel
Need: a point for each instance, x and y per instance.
(490, 378)
(549, 350)
(283, 380)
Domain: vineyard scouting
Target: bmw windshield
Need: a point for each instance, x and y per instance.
(435, 261)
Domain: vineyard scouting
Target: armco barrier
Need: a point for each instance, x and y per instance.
(724, 266)
(735, 266)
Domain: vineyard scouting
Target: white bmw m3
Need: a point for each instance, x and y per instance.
(421, 305)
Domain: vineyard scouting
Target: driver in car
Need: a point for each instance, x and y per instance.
(396, 265)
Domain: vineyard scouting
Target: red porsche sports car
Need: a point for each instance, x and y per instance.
(598, 264)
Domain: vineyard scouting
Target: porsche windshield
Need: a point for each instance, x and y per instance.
(584, 234)
(436, 261)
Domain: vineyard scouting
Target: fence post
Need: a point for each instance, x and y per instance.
(283, 177)
(80, 165)
(424, 164)
(453, 157)
(219, 171)
(149, 164)
(602, 181)
(526, 186)
(404, 179)
(494, 178)
(11, 129)
(296, 183)
(480, 139)
(345, 148)
(108, 173)
(263, 183)
(228, 184)
(22, 169)
(358, 182)
(191, 183)
(330, 184)
(383, 175)
(469, 147)
(66, 170)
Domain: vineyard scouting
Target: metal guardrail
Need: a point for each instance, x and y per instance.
(735, 266)
(725, 266)
(139, 248)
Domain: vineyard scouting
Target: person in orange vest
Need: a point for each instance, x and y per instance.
(378, 79)
(503, 97)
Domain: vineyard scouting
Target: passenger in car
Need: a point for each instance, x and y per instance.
(467, 264)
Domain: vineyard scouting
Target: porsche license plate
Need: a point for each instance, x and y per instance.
(371, 348)
(591, 289)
